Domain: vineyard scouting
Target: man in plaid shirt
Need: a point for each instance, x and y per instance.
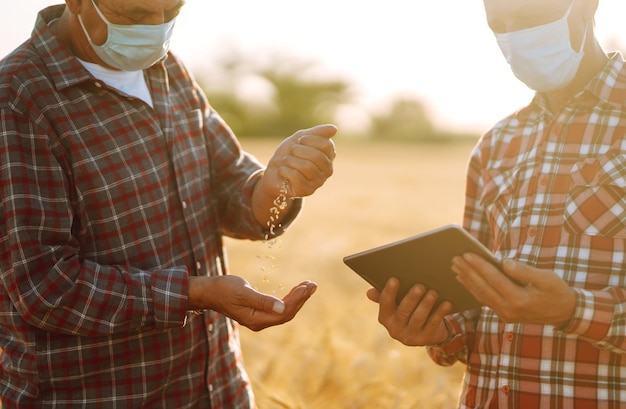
(117, 183)
(546, 191)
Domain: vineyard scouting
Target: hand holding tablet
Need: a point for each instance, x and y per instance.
(423, 259)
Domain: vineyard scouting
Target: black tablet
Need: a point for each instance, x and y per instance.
(425, 259)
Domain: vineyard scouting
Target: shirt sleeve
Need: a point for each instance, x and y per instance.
(456, 348)
(50, 285)
(237, 173)
(600, 318)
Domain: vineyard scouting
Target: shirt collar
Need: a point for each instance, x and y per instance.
(64, 68)
(608, 86)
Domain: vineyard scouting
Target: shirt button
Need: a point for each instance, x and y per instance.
(210, 327)
(509, 336)
(184, 205)
(544, 181)
(532, 231)
(210, 388)
(506, 389)
(98, 84)
(556, 130)
(198, 265)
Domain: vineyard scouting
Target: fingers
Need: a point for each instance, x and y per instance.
(313, 141)
(308, 165)
(410, 305)
(290, 304)
(487, 283)
(326, 130)
(270, 311)
(373, 295)
(316, 143)
(296, 298)
(438, 315)
(387, 300)
(391, 313)
(522, 274)
(266, 303)
(305, 159)
(414, 320)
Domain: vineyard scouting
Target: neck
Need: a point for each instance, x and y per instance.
(69, 32)
(593, 62)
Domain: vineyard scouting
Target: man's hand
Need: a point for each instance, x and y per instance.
(412, 322)
(233, 297)
(547, 299)
(304, 161)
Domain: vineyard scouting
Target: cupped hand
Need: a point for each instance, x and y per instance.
(233, 297)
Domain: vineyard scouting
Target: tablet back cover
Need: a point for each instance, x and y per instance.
(425, 258)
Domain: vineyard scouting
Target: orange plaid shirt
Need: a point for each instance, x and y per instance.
(549, 190)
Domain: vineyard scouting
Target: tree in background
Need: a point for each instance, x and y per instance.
(300, 99)
(273, 95)
(273, 98)
(407, 119)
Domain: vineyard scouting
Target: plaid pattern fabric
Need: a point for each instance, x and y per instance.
(106, 207)
(550, 190)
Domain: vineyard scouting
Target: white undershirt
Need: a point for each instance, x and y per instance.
(132, 83)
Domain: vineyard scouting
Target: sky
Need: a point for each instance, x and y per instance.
(440, 51)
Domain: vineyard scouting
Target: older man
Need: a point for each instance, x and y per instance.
(117, 182)
(546, 190)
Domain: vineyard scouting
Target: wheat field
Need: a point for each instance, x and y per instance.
(334, 354)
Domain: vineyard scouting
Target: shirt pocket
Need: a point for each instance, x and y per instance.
(596, 201)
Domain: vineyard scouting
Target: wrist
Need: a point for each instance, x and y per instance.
(198, 296)
(449, 336)
(271, 206)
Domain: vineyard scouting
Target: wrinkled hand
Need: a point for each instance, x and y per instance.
(233, 297)
(413, 321)
(304, 160)
(547, 299)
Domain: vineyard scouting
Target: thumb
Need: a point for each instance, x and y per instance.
(373, 295)
(326, 130)
(267, 303)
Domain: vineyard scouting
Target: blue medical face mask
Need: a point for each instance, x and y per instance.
(542, 57)
(132, 47)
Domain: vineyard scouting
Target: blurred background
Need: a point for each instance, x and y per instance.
(411, 86)
(427, 66)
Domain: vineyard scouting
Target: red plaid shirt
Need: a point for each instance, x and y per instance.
(550, 190)
(106, 207)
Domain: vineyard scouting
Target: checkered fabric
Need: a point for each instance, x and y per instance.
(106, 207)
(549, 190)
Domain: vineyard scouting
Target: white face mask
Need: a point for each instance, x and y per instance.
(542, 57)
(132, 47)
